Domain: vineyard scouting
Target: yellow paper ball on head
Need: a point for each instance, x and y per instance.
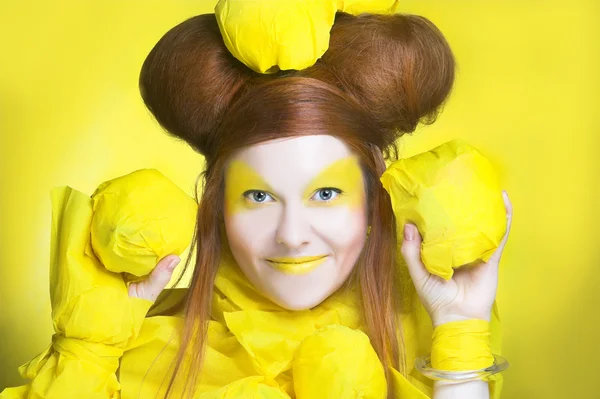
(269, 35)
(139, 219)
(452, 194)
(273, 35)
(357, 7)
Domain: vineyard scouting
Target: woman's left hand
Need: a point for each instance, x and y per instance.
(471, 292)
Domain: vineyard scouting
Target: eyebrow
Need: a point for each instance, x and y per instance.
(251, 177)
(255, 181)
(340, 166)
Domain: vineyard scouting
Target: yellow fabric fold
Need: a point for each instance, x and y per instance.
(338, 362)
(247, 388)
(105, 356)
(462, 346)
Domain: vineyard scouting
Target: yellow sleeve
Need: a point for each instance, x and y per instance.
(75, 372)
(93, 315)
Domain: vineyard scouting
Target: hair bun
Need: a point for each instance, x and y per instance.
(399, 67)
(189, 80)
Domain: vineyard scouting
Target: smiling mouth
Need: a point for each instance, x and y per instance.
(298, 265)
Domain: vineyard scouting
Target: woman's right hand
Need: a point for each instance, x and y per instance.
(156, 281)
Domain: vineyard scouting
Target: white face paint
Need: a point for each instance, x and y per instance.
(296, 217)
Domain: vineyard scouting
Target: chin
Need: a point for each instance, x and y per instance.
(300, 304)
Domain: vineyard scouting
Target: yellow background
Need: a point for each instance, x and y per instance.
(526, 95)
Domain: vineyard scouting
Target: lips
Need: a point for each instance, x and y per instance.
(297, 265)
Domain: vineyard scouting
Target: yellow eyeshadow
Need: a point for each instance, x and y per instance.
(344, 174)
(239, 178)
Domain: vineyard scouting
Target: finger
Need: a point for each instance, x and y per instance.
(509, 213)
(411, 251)
(152, 286)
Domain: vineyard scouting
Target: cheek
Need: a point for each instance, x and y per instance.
(249, 233)
(344, 229)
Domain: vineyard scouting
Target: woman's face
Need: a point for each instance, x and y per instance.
(296, 217)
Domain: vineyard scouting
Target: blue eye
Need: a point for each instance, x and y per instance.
(326, 194)
(258, 196)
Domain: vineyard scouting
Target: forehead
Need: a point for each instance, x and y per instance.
(299, 158)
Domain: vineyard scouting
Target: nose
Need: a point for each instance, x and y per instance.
(294, 228)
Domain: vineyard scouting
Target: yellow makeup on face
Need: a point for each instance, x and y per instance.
(345, 175)
(298, 265)
(239, 178)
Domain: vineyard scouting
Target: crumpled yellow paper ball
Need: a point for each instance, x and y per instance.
(338, 362)
(272, 35)
(139, 219)
(356, 7)
(452, 194)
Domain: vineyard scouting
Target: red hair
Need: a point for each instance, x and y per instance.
(381, 76)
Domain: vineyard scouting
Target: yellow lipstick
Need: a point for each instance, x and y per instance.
(298, 265)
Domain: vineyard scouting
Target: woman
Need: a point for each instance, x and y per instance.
(295, 236)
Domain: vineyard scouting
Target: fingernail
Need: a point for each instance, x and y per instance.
(172, 264)
(504, 194)
(409, 232)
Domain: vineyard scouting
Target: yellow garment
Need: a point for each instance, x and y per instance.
(452, 194)
(254, 349)
(252, 337)
(269, 35)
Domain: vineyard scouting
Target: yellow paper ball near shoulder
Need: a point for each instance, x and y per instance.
(452, 194)
(269, 35)
(138, 219)
(338, 362)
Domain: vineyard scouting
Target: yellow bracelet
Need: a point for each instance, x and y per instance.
(462, 345)
(461, 351)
